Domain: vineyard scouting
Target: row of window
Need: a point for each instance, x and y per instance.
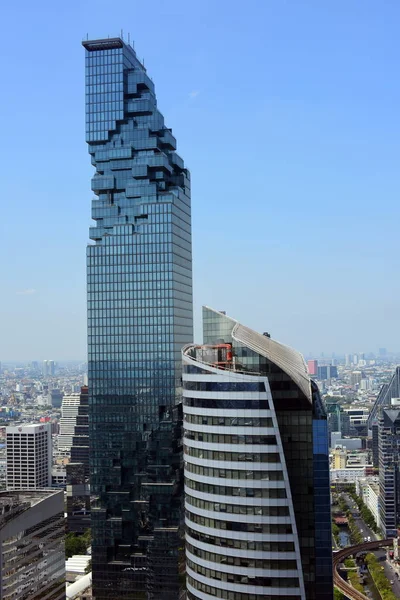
(248, 474)
(226, 595)
(276, 582)
(242, 561)
(265, 457)
(231, 403)
(242, 492)
(229, 421)
(219, 438)
(239, 509)
(224, 386)
(268, 528)
(245, 544)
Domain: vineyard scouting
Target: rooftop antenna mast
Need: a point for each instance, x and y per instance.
(122, 34)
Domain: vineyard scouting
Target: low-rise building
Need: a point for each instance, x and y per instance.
(368, 490)
(32, 545)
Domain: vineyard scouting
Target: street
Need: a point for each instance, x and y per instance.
(367, 532)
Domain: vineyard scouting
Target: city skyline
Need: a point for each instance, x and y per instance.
(319, 139)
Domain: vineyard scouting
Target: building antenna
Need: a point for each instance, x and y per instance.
(122, 34)
(129, 38)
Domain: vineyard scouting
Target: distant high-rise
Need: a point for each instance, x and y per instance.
(49, 368)
(29, 457)
(32, 545)
(139, 316)
(257, 493)
(312, 367)
(56, 397)
(69, 413)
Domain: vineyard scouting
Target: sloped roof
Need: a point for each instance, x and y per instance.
(286, 358)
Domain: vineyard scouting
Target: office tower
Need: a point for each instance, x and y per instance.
(334, 415)
(139, 317)
(348, 360)
(49, 368)
(29, 457)
(56, 397)
(355, 359)
(327, 372)
(332, 372)
(389, 456)
(32, 545)
(69, 413)
(257, 494)
(387, 392)
(312, 367)
(78, 490)
(382, 352)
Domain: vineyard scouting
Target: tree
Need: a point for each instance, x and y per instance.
(77, 544)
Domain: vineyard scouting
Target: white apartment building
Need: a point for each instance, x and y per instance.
(69, 412)
(347, 475)
(29, 457)
(368, 490)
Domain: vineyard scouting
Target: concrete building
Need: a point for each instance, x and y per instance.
(348, 443)
(339, 459)
(69, 412)
(355, 378)
(368, 490)
(29, 457)
(347, 475)
(32, 545)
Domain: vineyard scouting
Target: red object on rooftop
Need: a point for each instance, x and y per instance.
(221, 359)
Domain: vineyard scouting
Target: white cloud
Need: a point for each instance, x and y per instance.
(27, 292)
(194, 94)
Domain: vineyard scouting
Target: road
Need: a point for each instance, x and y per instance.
(367, 532)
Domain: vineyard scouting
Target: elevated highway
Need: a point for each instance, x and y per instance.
(339, 557)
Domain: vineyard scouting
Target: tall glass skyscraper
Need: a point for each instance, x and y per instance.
(257, 496)
(139, 316)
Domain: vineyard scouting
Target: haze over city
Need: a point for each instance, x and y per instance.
(287, 116)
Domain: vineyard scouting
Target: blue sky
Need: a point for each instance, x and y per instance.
(286, 113)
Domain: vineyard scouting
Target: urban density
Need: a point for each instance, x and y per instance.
(169, 468)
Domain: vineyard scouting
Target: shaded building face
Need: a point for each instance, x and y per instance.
(256, 469)
(139, 316)
(32, 545)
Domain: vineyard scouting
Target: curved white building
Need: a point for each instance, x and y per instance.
(244, 540)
